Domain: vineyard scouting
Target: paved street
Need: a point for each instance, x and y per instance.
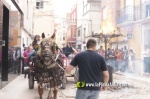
(18, 89)
(138, 89)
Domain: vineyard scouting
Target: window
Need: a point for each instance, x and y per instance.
(129, 9)
(79, 32)
(79, 46)
(64, 38)
(95, 6)
(39, 4)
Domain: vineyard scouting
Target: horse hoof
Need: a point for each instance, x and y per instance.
(41, 97)
(50, 98)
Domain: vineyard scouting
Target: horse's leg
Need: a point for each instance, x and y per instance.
(55, 92)
(40, 90)
(50, 95)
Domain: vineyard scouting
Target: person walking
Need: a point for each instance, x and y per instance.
(131, 60)
(146, 56)
(91, 68)
(15, 60)
(112, 59)
(22, 58)
(26, 60)
(125, 58)
(119, 60)
(101, 51)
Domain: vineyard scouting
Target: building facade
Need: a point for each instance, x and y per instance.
(91, 19)
(61, 37)
(79, 34)
(25, 7)
(43, 17)
(131, 19)
(72, 26)
(9, 38)
(37, 18)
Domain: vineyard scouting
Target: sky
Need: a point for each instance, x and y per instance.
(61, 7)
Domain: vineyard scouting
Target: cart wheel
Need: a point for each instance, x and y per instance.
(64, 81)
(76, 76)
(31, 82)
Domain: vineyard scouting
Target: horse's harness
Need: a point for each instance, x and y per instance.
(45, 71)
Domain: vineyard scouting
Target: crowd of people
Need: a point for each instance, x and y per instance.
(14, 60)
(29, 52)
(120, 59)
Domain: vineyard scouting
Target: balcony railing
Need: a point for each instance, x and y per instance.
(134, 13)
(142, 11)
(125, 14)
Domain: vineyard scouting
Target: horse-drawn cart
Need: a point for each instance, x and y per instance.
(47, 68)
(35, 70)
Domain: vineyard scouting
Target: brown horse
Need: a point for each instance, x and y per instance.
(49, 69)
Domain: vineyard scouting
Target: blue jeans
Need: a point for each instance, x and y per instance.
(87, 94)
(26, 72)
(32, 54)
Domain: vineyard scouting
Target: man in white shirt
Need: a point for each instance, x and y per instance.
(146, 56)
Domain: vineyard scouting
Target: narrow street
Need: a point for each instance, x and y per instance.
(138, 89)
(47, 38)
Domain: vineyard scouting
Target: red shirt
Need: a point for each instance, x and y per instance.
(119, 56)
(26, 54)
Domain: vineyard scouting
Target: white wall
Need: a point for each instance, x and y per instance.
(44, 19)
(43, 24)
(79, 39)
(96, 20)
(27, 9)
(28, 13)
(79, 12)
(27, 41)
(61, 32)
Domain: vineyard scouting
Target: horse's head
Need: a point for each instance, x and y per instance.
(47, 51)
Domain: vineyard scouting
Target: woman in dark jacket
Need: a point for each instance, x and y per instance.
(36, 41)
(67, 50)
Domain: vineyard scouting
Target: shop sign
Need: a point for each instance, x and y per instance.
(129, 35)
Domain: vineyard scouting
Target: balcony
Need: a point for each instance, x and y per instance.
(139, 13)
(142, 12)
(125, 15)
